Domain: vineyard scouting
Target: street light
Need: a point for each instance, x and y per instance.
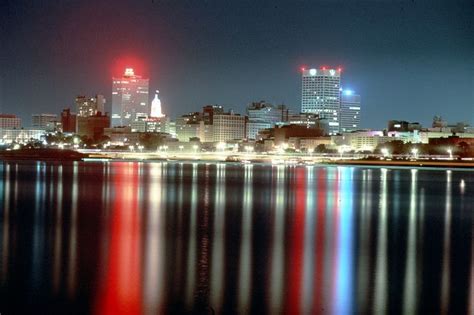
(248, 148)
(450, 152)
(385, 152)
(415, 152)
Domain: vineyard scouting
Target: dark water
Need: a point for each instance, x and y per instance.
(131, 238)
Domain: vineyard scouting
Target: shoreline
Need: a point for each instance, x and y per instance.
(68, 156)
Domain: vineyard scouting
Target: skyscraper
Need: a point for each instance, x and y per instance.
(350, 111)
(321, 95)
(129, 98)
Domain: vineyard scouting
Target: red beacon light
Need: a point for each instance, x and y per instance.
(323, 68)
(339, 69)
(303, 69)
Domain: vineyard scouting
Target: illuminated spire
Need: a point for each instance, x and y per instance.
(156, 106)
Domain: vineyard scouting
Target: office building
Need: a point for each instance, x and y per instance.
(47, 122)
(129, 98)
(321, 95)
(8, 121)
(89, 106)
(228, 126)
(350, 111)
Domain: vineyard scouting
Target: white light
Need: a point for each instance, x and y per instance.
(348, 92)
(313, 71)
(128, 72)
(332, 72)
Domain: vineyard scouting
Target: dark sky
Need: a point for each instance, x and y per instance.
(408, 59)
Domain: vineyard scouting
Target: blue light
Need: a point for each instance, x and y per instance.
(348, 92)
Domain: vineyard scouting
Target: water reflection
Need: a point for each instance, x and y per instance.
(122, 238)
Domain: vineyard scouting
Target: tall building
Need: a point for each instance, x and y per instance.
(89, 106)
(44, 121)
(350, 111)
(8, 121)
(129, 98)
(321, 95)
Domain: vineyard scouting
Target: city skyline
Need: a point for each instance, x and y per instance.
(406, 68)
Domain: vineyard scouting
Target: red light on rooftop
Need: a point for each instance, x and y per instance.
(339, 69)
(323, 68)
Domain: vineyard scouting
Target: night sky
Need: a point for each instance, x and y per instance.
(408, 59)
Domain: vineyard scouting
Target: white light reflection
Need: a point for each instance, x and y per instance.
(278, 239)
(343, 298)
(58, 237)
(245, 264)
(38, 226)
(154, 282)
(180, 231)
(217, 265)
(445, 275)
(6, 220)
(192, 243)
(471, 285)
(410, 294)
(71, 280)
(363, 265)
(309, 238)
(380, 289)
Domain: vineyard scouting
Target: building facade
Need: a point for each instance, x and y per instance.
(93, 126)
(44, 121)
(129, 98)
(68, 120)
(262, 115)
(8, 121)
(321, 95)
(350, 111)
(89, 106)
(228, 127)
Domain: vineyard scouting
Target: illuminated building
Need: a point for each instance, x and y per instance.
(350, 111)
(228, 126)
(89, 106)
(8, 121)
(129, 98)
(44, 121)
(156, 107)
(8, 136)
(321, 95)
(68, 120)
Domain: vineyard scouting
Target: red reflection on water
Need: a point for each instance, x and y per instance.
(120, 290)
(295, 272)
(320, 239)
